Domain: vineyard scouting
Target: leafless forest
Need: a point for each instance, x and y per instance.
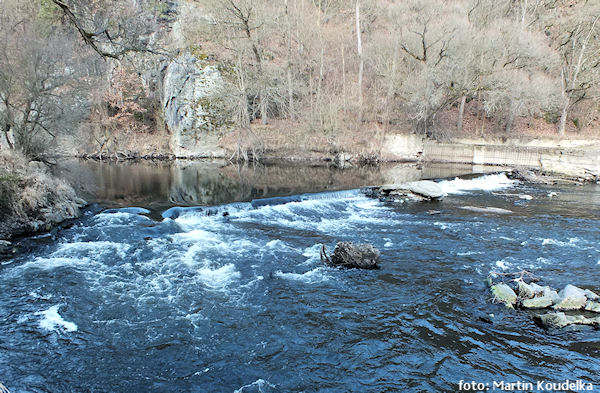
(431, 66)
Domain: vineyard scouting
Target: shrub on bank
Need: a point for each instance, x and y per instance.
(32, 199)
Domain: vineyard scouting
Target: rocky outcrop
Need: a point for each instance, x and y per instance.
(194, 107)
(532, 296)
(423, 190)
(350, 255)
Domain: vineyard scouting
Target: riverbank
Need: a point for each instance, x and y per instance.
(574, 157)
(31, 198)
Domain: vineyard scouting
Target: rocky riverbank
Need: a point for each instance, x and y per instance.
(31, 199)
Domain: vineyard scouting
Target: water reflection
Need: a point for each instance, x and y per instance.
(160, 184)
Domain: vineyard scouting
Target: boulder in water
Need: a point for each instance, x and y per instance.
(591, 295)
(504, 294)
(592, 306)
(350, 255)
(6, 249)
(571, 298)
(420, 190)
(537, 302)
(560, 320)
(526, 291)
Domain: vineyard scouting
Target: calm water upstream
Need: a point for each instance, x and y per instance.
(190, 300)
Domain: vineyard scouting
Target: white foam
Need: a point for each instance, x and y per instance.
(510, 239)
(313, 276)
(219, 277)
(260, 384)
(53, 263)
(468, 253)
(502, 264)
(275, 244)
(312, 254)
(53, 321)
(441, 225)
(118, 218)
(572, 242)
(75, 249)
(197, 235)
(484, 183)
(23, 319)
(542, 260)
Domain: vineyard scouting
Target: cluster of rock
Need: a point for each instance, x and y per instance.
(350, 255)
(127, 155)
(423, 190)
(536, 297)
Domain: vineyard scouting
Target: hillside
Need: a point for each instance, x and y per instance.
(236, 78)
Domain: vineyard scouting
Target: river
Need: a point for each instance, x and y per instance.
(232, 296)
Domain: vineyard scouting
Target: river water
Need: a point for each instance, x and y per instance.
(234, 298)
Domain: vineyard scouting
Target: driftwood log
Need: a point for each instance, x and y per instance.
(350, 255)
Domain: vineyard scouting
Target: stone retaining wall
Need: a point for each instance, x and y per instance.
(577, 158)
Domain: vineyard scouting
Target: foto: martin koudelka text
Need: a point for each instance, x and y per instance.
(539, 386)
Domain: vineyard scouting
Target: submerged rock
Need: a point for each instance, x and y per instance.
(591, 295)
(6, 248)
(571, 298)
(350, 255)
(526, 291)
(504, 294)
(560, 320)
(537, 302)
(423, 190)
(592, 306)
(488, 209)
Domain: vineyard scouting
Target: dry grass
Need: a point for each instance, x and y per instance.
(30, 197)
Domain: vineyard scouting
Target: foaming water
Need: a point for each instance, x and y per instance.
(492, 182)
(316, 275)
(235, 298)
(52, 320)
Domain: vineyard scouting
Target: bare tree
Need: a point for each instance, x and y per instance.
(361, 61)
(578, 42)
(40, 81)
(112, 28)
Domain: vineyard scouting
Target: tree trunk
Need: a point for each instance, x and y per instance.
(289, 63)
(361, 64)
(562, 124)
(343, 78)
(244, 116)
(513, 109)
(7, 136)
(263, 108)
(390, 92)
(461, 113)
